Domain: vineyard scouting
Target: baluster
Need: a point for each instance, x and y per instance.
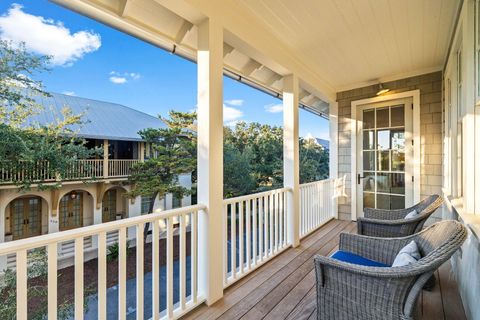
(79, 278)
(140, 278)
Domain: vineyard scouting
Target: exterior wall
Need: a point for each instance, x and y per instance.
(430, 86)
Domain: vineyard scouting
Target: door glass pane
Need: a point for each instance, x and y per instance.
(17, 218)
(383, 115)
(369, 139)
(383, 145)
(368, 200)
(390, 202)
(369, 181)
(397, 181)
(391, 183)
(398, 116)
(34, 217)
(369, 119)
(368, 160)
(397, 139)
(398, 161)
(383, 160)
(383, 139)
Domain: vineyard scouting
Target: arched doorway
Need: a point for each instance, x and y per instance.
(73, 208)
(24, 217)
(114, 204)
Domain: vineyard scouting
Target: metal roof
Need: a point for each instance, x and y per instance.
(103, 120)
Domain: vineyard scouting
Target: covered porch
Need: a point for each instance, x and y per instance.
(251, 257)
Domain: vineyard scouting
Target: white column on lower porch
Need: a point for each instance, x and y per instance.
(210, 159)
(291, 156)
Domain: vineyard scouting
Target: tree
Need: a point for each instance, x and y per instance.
(26, 144)
(173, 152)
(237, 169)
(314, 161)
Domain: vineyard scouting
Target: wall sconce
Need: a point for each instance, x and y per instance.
(382, 89)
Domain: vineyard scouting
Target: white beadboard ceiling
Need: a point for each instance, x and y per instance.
(354, 42)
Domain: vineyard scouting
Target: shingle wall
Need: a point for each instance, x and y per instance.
(430, 86)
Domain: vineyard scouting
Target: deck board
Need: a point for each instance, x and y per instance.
(284, 288)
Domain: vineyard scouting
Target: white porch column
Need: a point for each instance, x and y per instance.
(210, 159)
(333, 148)
(291, 156)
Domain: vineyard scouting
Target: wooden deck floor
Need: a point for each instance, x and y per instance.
(284, 287)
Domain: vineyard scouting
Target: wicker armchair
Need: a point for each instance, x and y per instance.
(350, 291)
(392, 223)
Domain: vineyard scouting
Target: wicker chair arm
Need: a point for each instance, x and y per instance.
(407, 271)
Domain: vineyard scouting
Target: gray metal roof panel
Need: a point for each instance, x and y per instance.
(103, 120)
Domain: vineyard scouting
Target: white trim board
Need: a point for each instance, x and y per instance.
(415, 95)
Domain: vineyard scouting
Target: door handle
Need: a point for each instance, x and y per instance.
(359, 177)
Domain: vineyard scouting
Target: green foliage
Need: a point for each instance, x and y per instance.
(114, 251)
(253, 159)
(37, 279)
(174, 153)
(25, 144)
(314, 161)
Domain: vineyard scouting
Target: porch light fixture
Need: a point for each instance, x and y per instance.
(382, 89)
(73, 195)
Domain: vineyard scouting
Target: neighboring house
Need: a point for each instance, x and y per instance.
(324, 143)
(80, 201)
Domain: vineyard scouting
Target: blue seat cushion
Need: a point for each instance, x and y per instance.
(353, 258)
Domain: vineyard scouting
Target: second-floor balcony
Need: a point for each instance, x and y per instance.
(79, 170)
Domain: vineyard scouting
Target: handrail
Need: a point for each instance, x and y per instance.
(255, 195)
(43, 240)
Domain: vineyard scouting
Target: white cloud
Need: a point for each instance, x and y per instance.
(118, 80)
(46, 36)
(69, 93)
(121, 78)
(235, 102)
(274, 108)
(231, 114)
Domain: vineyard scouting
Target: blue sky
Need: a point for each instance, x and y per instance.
(95, 61)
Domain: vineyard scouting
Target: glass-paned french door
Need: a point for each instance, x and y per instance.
(26, 217)
(109, 204)
(71, 211)
(385, 155)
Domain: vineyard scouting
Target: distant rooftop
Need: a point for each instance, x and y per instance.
(104, 120)
(324, 143)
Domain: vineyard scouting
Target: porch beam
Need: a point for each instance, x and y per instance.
(291, 156)
(210, 159)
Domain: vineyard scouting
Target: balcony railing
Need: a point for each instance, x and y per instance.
(317, 205)
(174, 309)
(255, 230)
(79, 170)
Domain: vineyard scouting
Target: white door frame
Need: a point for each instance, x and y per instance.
(415, 95)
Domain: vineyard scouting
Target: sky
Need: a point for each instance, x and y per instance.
(92, 60)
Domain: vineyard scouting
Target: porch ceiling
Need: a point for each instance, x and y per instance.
(351, 43)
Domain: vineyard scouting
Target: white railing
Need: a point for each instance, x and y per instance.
(120, 167)
(80, 169)
(254, 231)
(317, 205)
(174, 309)
(26, 171)
(84, 169)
